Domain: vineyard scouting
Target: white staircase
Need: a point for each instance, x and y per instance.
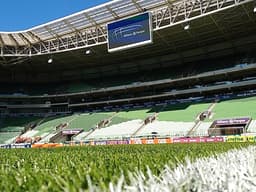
(202, 129)
(252, 127)
(81, 136)
(46, 137)
(30, 133)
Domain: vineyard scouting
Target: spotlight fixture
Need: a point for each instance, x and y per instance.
(254, 6)
(186, 27)
(50, 60)
(87, 52)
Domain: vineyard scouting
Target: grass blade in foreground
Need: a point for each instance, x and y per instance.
(68, 168)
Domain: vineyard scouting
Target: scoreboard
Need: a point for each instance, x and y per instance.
(131, 32)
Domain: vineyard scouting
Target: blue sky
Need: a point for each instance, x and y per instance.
(23, 14)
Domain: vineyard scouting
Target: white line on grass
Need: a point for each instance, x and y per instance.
(233, 171)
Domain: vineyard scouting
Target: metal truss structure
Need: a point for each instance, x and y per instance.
(88, 28)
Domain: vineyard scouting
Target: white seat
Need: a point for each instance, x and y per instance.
(166, 128)
(124, 129)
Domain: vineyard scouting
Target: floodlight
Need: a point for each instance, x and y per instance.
(254, 10)
(50, 60)
(87, 52)
(186, 27)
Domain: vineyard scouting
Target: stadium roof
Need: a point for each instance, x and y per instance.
(75, 23)
(88, 28)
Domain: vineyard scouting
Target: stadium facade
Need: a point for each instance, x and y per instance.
(201, 49)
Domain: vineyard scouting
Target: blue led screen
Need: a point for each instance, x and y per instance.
(131, 32)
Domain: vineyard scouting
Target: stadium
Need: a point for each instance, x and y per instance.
(132, 72)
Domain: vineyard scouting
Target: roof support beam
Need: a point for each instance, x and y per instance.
(25, 39)
(90, 19)
(166, 14)
(137, 5)
(115, 15)
(1, 41)
(71, 26)
(52, 32)
(34, 36)
(13, 40)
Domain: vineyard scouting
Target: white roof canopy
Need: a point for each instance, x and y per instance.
(79, 21)
(88, 27)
